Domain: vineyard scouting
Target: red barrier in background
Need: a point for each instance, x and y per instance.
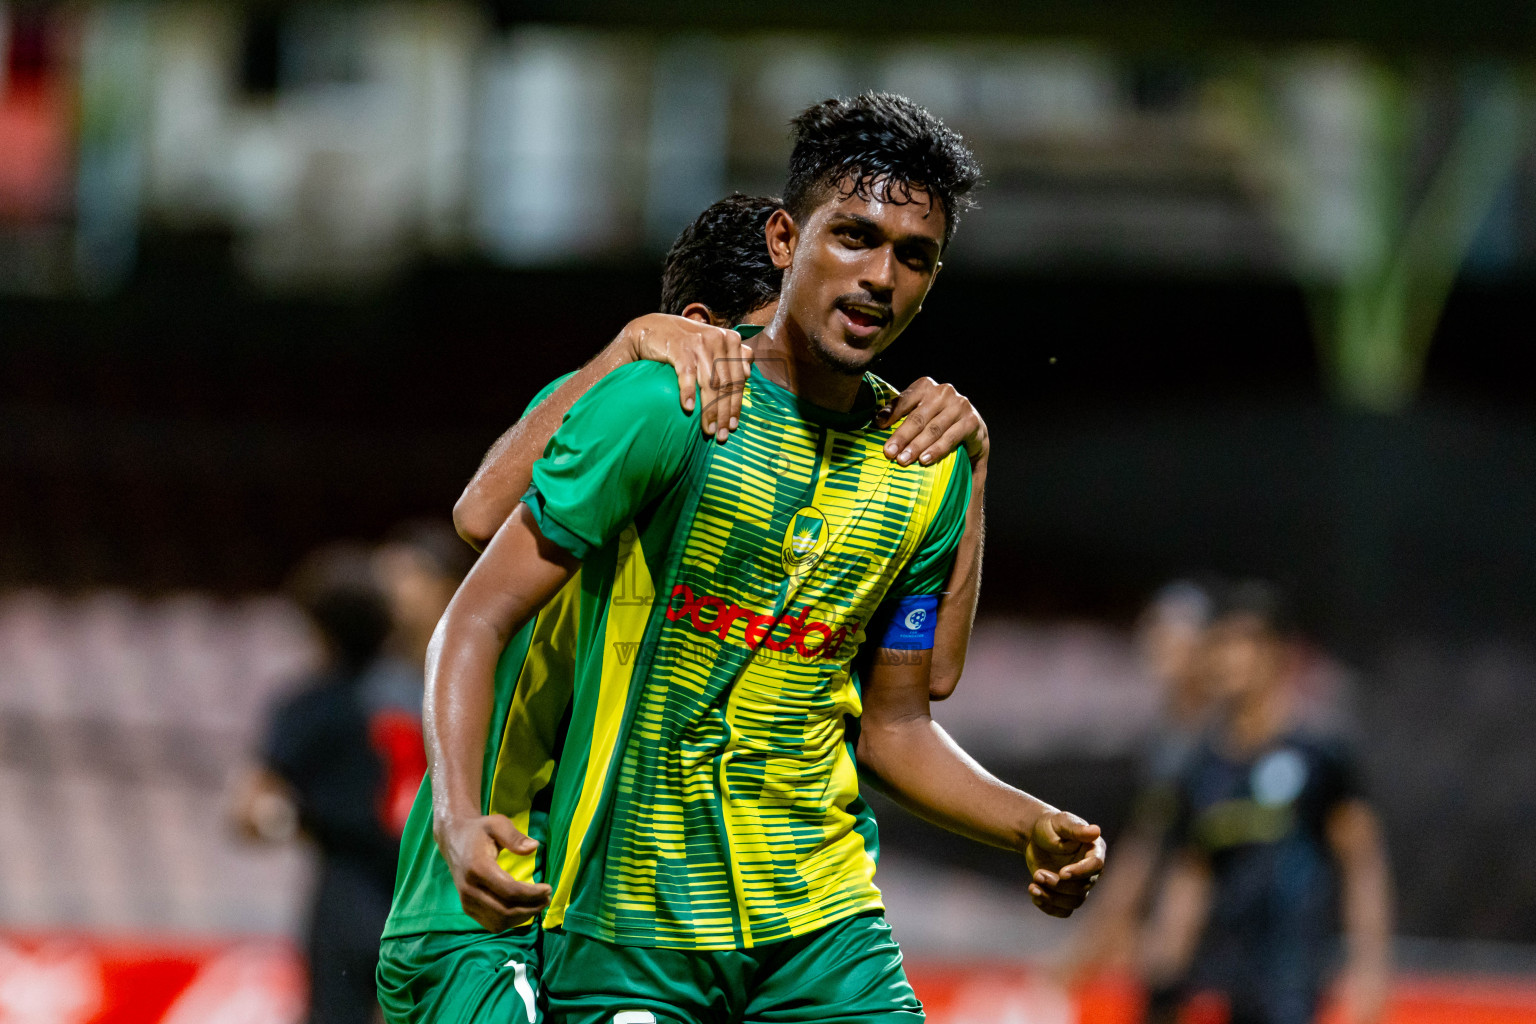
(75, 979)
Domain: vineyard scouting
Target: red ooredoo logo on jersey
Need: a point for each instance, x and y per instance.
(709, 614)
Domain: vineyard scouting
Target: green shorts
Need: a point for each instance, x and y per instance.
(846, 973)
(461, 978)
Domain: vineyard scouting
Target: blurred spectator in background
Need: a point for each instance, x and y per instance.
(342, 756)
(419, 566)
(1170, 635)
(1272, 838)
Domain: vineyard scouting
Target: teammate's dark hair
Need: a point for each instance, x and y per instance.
(1256, 599)
(875, 141)
(337, 587)
(435, 541)
(721, 260)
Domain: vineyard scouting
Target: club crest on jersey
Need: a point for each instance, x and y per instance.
(805, 541)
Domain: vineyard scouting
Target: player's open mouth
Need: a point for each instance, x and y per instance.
(864, 319)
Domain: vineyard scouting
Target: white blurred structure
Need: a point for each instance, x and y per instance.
(123, 720)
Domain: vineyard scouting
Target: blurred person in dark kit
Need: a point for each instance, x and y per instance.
(1274, 844)
(333, 755)
(419, 566)
(1170, 636)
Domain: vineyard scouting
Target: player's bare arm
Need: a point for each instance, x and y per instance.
(518, 574)
(1173, 934)
(928, 773)
(935, 420)
(712, 366)
(1354, 838)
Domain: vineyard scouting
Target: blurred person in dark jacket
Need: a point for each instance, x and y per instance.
(1274, 842)
(1170, 634)
(419, 566)
(324, 771)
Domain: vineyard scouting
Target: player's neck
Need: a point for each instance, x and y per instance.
(783, 355)
(1257, 721)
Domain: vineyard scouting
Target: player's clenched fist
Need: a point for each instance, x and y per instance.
(491, 896)
(712, 359)
(1065, 855)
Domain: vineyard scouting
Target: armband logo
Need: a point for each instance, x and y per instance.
(805, 541)
(916, 617)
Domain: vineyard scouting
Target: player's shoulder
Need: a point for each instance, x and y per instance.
(641, 390)
(949, 467)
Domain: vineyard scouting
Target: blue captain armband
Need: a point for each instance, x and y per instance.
(911, 624)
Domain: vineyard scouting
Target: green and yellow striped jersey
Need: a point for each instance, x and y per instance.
(706, 794)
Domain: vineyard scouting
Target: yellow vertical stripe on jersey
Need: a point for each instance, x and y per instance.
(623, 632)
(524, 761)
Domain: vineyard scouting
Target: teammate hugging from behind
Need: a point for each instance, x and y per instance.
(709, 857)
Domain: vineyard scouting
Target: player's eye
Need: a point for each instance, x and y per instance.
(916, 259)
(855, 238)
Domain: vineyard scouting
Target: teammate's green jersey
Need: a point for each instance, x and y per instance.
(533, 691)
(706, 795)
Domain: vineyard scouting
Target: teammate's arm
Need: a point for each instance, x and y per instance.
(1354, 836)
(927, 772)
(938, 420)
(519, 572)
(710, 360)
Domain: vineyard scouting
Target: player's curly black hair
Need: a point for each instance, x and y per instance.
(721, 260)
(876, 140)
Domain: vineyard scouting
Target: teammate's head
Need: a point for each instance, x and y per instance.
(718, 270)
(876, 185)
(337, 587)
(419, 566)
(1249, 648)
(1171, 633)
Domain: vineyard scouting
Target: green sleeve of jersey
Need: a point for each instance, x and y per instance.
(546, 391)
(928, 571)
(621, 445)
(909, 612)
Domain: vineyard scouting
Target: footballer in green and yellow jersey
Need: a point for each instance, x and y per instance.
(705, 860)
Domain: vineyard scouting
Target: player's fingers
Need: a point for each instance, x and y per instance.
(1087, 867)
(950, 441)
(1071, 828)
(709, 390)
(1044, 902)
(687, 385)
(938, 423)
(1060, 899)
(741, 367)
(899, 447)
(504, 892)
(507, 836)
(903, 404)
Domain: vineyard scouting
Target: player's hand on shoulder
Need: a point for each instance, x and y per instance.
(938, 420)
(712, 359)
(1065, 855)
(490, 895)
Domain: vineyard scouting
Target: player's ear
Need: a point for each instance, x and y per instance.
(781, 234)
(700, 312)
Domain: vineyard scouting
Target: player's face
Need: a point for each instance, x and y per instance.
(1243, 658)
(418, 593)
(859, 270)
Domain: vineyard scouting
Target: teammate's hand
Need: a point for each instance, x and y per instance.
(489, 894)
(1065, 855)
(712, 359)
(939, 420)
